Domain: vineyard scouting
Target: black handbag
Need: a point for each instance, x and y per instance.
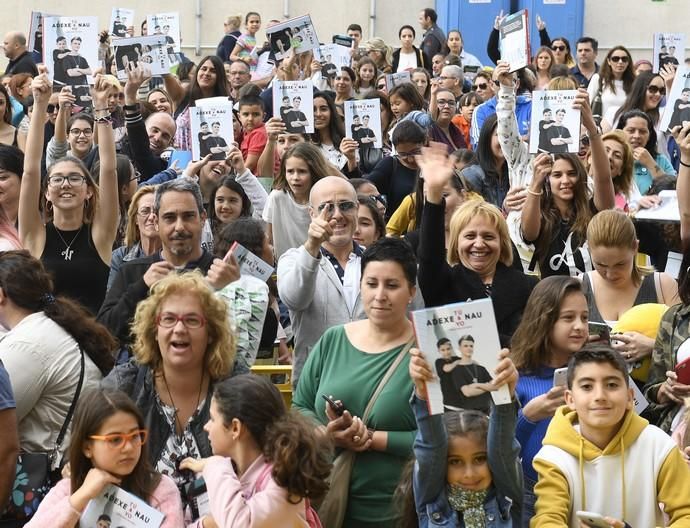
(36, 473)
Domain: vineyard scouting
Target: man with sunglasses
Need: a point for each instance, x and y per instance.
(319, 281)
(587, 48)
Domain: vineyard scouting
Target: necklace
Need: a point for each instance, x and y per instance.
(178, 422)
(475, 376)
(68, 251)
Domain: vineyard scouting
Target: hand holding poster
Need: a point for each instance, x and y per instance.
(677, 110)
(669, 48)
(168, 25)
(363, 122)
(122, 22)
(119, 508)
(555, 124)
(460, 343)
(293, 102)
(211, 130)
(297, 33)
(395, 79)
(514, 34)
(332, 57)
(151, 51)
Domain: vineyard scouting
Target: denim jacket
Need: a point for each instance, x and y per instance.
(504, 502)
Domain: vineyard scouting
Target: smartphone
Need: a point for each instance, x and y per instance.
(594, 520)
(602, 330)
(682, 370)
(337, 407)
(560, 377)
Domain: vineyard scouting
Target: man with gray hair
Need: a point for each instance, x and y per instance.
(21, 61)
(180, 216)
(451, 79)
(319, 281)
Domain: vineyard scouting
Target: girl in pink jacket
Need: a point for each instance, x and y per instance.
(269, 462)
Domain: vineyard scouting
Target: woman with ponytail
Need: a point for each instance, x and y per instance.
(268, 462)
(52, 341)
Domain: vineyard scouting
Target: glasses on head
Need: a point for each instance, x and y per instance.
(480, 86)
(118, 440)
(558, 48)
(656, 90)
(191, 321)
(441, 103)
(410, 154)
(88, 132)
(52, 108)
(144, 212)
(619, 58)
(377, 198)
(346, 206)
(74, 180)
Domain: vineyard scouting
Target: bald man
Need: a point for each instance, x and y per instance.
(21, 60)
(319, 281)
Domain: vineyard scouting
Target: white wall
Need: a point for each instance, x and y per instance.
(329, 16)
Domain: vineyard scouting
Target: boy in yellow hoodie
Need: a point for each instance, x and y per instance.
(600, 456)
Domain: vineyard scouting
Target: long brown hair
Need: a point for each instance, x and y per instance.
(531, 344)
(94, 408)
(312, 156)
(551, 216)
(606, 74)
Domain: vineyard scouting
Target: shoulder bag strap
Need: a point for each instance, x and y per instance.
(70, 412)
(657, 287)
(386, 377)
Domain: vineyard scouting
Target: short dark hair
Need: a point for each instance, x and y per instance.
(251, 100)
(407, 26)
(388, 249)
(355, 27)
(245, 230)
(81, 116)
(430, 13)
(588, 40)
(408, 132)
(442, 341)
(597, 353)
(466, 337)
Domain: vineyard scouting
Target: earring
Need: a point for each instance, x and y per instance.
(86, 203)
(49, 205)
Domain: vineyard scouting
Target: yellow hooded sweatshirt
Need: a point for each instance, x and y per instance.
(637, 470)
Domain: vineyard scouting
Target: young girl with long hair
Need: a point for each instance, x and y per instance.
(268, 462)
(228, 202)
(329, 135)
(365, 83)
(553, 327)
(246, 42)
(482, 481)
(287, 208)
(107, 446)
(406, 103)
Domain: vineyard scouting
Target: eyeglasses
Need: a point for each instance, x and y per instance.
(52, 108)
(118, 440)
(74, 180)
(381, 87)
(191, 321)
(558, 48)
(656, 90)
(136, 176)
(88, 132)
(346, 206)
(443, 103)
(619, 58)
(411, 154)
(444, 78)
(144, 212)
(482, 86)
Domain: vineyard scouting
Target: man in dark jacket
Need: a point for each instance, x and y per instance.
(21, 60)
(434, 40)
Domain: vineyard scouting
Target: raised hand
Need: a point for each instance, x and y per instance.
(420, 372)
(320, 230)
(581, 103)
(41, 87)
(436, 170)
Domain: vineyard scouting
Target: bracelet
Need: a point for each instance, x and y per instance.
(103, 120)
(684, 164)
(100, 109)
(530, 191)
(131, 108)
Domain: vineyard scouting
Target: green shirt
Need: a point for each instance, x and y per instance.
(335, 367)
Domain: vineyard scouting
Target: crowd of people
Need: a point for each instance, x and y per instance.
(130, 321)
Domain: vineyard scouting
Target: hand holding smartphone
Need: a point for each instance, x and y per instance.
(593, 520)
(601, 330)
(337, 407)
(560, 377)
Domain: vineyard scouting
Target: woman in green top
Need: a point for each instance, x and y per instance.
(347, 363)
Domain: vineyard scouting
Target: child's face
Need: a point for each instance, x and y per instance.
(298, 177)
(253, 24)
(118, 461)
(251, 117)
(468, 466)
(569, 333)
(600, 397)
(399, 106)
(218, 433)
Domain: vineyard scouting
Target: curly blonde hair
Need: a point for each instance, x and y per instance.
(220, 352)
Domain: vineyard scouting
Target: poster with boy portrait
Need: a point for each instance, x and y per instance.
(150, 51)
(293, 102)
(332, 57)
(35, 36)
(555, 124)
(71, 53)
(121, 22)
(297, 33)
(363, 122)
(460, 342)
(396, 79)
(168, 25)
(212, 131)
(677, 109)
(514, 40)
(669, 48)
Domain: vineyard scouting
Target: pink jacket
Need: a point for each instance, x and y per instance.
(236, 502)
(56, 511)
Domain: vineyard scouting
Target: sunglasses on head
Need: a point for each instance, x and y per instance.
(558, 48)
(480, 86)
(619, 58)
(656, 90)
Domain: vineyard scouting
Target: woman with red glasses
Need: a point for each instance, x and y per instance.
(609, 88)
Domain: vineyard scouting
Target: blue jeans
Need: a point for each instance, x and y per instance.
(528, 502)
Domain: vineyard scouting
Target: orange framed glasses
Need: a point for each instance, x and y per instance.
(118, 440)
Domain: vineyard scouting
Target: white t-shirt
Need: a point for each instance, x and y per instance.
(408, 61)
(289, 221)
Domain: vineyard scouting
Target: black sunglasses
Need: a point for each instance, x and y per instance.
(558, 48)
(482, 86)
(619, 58)
(656, 90)
(52, 107)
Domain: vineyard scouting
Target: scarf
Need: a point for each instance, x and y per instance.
(469, 504)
